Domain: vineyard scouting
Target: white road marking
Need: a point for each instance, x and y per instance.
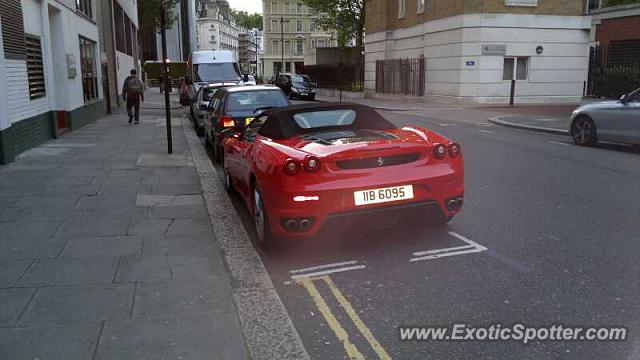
(324, 266)
(429, 252)
(445, 125)
(327, 272)
(558, 143)
(453, 253)
(486, 131)
(470, 248)
(468, 241)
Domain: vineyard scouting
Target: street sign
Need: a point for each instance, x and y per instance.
(471, 63)
(494, 49)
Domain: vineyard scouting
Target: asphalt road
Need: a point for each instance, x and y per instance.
(549, 234)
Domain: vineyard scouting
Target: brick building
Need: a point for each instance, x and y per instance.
(473, 49)
(617, 28)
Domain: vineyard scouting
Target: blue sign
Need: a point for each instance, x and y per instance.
(471, 63)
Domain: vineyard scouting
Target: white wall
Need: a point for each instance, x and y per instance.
(556, 75)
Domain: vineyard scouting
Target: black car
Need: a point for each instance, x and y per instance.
(236, 107)
(296, 86)
(199, 105)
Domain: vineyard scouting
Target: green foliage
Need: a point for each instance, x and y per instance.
(246, 20)
(345, 17)
(149, 12)
(177, 70)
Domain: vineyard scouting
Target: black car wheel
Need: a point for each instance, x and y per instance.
(583, 131)
(263, 234)
(228, 185)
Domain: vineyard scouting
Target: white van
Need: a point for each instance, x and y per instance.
(214, 66)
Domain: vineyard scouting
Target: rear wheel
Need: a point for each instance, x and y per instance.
(583, 131)
(216, 150)
(263, 234)
(228, 186)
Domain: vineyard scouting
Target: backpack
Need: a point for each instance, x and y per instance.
(135, 88)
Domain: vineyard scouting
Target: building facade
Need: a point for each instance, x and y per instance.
(291, 35)
(618, 26)
(249, 50)
(117, 22)
(215, 27)
(49, 70)
(475, 48)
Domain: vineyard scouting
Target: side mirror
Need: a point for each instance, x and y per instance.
(623, 98)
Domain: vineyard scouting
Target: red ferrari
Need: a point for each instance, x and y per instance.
(300, 168)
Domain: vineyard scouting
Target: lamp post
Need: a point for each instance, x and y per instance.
(167, 80)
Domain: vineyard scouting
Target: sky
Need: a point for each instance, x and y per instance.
(250, 6)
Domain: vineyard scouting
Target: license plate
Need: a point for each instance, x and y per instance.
(376, 196)
(304, 94)
(248, 121)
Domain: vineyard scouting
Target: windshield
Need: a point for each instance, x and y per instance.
(319, 119)
(251, 102)
(300, 79)
(216, 72)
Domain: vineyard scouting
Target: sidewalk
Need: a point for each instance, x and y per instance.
(107, 250)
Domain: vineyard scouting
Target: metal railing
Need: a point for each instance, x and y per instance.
(401, 76)
(612, 72)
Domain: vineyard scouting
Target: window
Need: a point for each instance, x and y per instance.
(321, 43)
(118, 19)
(274, 7)
(312, 25)
(213, 37)
(402, 4)
(530, 3)
(320, 119)
(287, 47)
(299, 8)
(88, 69)
(12, 29)
(286, 8)
(85, 7)
(299, 26)
(422, 6)
(35, 67)
(515, 68)
(287, 26)
(128, 37)
(274, 47)
(299, 47)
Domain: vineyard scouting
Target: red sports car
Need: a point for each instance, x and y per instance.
(299, 168)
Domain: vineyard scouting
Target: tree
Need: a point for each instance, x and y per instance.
(149, 14)
(246, 20)
(345, 17)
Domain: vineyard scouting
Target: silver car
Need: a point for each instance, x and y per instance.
(199, 105)
(616, 121)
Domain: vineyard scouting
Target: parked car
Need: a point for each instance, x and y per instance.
(200, 104)
(616, 121)
(297, 168)
(297, 86)
(236, 107)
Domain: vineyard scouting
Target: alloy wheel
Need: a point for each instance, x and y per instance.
(583, 131)
(259, 217)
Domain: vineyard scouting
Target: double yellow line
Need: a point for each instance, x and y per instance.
(334, 324)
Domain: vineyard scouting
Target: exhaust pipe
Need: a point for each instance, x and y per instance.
(452, 204)
(291, 225)
(305, 224)
(459, 203)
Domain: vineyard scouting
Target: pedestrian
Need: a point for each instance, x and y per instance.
(133, 93)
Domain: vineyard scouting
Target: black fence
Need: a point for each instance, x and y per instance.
(345, 77)
(401, 76)
(613, 71)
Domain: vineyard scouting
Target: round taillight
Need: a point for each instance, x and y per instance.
(439, 151)
(291, 166)
(312, 163)
(454, 150)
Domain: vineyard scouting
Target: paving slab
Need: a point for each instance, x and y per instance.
(30, 248)
(140, 269)
(103, 246)
(11, 271)
(38, 230)
(149, 226)
(189, 227)
(198, 337)
(185, 266)
(13, 302)
(68, 304)
(199, 245)
(178, 212)
(70, 342)
(71, 271)
(156, 200)
(95, 227)
(177, 298)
